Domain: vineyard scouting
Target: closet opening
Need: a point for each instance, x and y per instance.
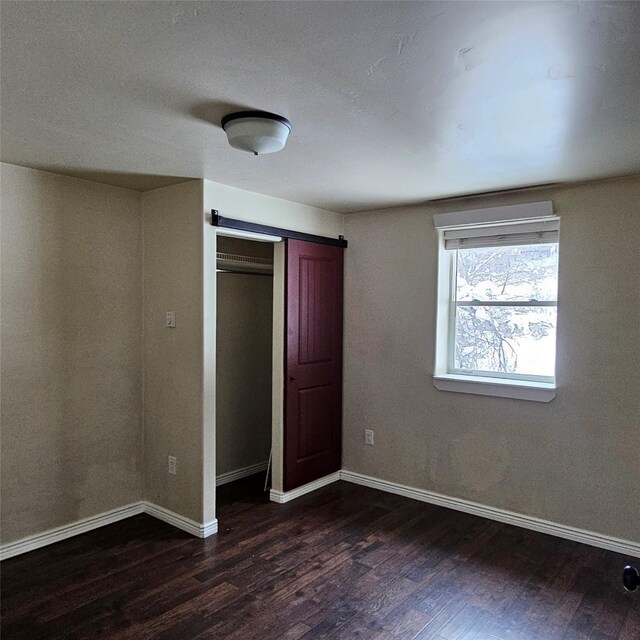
(244, 363)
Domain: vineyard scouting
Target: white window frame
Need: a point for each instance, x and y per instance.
(446, 377)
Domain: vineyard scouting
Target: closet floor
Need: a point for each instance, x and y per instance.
(343, 562)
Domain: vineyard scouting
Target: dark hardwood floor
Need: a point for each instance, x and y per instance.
(343, 562)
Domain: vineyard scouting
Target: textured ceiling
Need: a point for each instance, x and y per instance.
(391, 102)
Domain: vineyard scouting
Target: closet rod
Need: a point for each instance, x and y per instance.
(245, 273)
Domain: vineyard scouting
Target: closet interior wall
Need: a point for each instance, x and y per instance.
(244, 361)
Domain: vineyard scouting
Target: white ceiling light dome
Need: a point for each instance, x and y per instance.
(259, 132)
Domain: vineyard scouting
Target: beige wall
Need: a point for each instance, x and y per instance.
(572, 461)
(180, 364)
(71, 349)
(173, 359)
(72, 276)
(254, 207)
(243, 383)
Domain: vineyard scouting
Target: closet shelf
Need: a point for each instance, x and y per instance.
(236, 262)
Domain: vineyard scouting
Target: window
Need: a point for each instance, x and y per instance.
(498, 286)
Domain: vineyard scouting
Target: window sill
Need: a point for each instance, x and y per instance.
(498, 387)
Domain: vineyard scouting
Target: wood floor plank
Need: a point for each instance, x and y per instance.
(631, 627)
(344, 562)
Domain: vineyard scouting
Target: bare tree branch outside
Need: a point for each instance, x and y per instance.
(506, 339)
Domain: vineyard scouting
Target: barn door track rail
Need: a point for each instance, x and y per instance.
(251, 227)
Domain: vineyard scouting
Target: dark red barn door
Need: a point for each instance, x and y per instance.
(313, 394)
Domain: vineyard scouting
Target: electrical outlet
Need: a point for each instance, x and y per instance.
(170, 319)
(368, 436)
(172, 465)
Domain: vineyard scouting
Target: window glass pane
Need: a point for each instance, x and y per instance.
(515, 339)
(525, 272)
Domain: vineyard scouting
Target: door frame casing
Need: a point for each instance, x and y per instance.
(278, 365)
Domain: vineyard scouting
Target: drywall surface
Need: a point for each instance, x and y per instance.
(254, 207)
(391, 102)
(574, 460)
(243, 381)
(173, 357)
(71, 350)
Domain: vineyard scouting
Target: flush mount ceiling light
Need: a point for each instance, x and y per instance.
(256, 131)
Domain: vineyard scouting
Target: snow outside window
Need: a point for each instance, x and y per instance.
(504, 311)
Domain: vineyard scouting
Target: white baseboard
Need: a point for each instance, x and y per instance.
(627, 547)
(68, 530)
(38, 540)
(203, 530)
(284, 496)
(197, 529)
(238, 474)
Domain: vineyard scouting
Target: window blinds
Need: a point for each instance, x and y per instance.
(538, 232)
